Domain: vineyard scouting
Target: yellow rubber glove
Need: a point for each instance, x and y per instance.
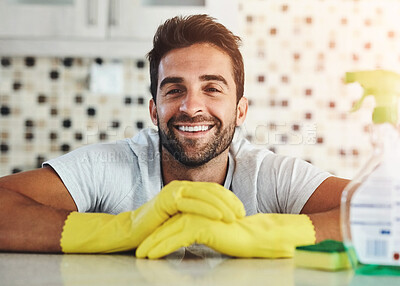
(260, 235)
(99, 233)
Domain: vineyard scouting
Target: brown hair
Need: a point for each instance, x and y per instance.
(181, 32)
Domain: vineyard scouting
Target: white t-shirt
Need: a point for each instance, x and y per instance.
(121, 176)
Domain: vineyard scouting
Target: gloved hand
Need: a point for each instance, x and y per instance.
(260, 235)
(98, 232)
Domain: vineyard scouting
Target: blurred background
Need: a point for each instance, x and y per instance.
(74, 73)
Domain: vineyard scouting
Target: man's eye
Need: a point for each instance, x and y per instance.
(212, 89)
(174, 91)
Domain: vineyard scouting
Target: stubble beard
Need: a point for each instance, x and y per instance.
(218, 143)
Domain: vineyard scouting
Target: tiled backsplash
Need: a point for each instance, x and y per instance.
(295, 53)
(47, 108)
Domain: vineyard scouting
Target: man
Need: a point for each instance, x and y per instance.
(197, 80)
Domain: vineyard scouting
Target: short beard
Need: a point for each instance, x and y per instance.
(217, 145)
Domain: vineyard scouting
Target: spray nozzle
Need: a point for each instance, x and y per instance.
(384, 86)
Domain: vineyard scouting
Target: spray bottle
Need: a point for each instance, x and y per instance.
(370, 205)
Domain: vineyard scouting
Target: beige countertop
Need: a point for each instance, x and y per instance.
(194, 266)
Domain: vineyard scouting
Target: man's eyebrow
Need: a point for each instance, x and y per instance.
(170, 80)
(208, 77)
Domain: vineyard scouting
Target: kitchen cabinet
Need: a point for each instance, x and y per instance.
(65, 19)
(139, 19)
(111, 28)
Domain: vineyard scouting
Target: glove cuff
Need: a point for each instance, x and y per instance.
(307, 230)
(96, 233)
(291, 230)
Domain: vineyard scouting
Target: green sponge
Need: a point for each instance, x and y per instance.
(327, 255)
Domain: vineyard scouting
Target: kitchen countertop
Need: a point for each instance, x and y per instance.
(196, 265)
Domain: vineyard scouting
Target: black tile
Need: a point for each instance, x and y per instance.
(140, 100)
(78, 98)
(39, 161)
(5, 110)
(17, 85)
(68, 62)
(98, 61)
(139, 124)
(128, 100)
(54, 74)
(103, 136)
(4, 147)
(30, 61)
(41, 98)
(29, 123)
(65, 147)
(16, 170)
(29, 136)
(78, 136)
(140, 64)
(91, 111)
(115, 124)
(5, 62)
(67, 123)
(53, 136)
(53, 111)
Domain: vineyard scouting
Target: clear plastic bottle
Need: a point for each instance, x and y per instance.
(370, 206)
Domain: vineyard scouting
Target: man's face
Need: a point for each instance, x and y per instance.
(196, 111)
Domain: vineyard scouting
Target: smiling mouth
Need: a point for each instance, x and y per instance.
(197, 128)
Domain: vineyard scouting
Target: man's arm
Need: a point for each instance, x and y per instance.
(37, 209)
(34, 207)
(323, 208)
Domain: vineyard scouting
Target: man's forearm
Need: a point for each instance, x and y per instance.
(327, 225)
(26, 225)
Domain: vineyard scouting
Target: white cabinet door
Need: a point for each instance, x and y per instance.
(53, 19)
(139, 19)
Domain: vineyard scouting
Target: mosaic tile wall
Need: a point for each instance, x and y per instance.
(295, 52)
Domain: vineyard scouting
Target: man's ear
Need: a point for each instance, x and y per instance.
(241, 113)
(153, 111)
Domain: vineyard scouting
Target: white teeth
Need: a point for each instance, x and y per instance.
(193, 128)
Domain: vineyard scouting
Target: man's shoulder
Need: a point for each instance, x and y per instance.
(145, 145)
(145, 137)
(140, 146)
(241, 147)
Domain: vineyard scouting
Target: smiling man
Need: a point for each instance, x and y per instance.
(190, 181)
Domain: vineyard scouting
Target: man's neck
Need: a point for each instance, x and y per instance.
(213, 171)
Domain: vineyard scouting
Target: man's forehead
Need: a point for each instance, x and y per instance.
(198, 59)
(194, 48)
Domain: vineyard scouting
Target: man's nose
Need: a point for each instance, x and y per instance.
(192, 103)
